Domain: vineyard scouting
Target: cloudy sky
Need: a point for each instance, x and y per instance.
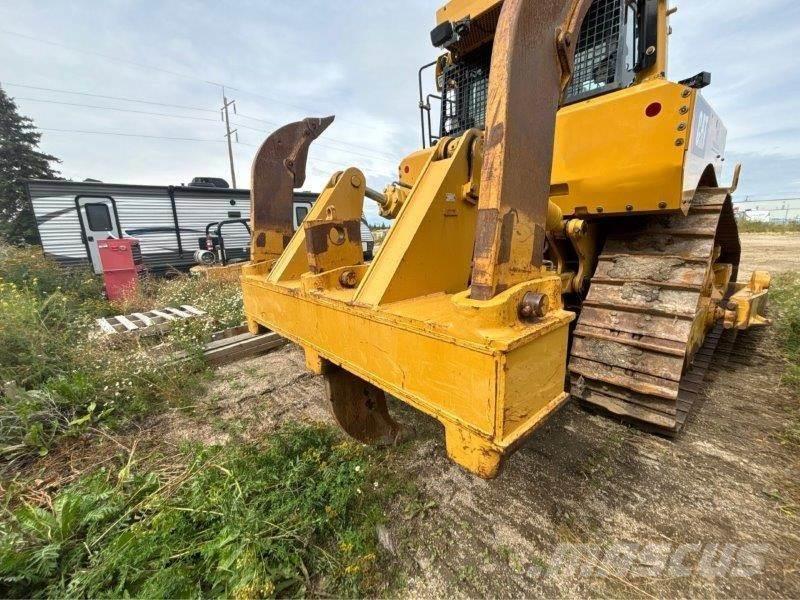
(284, 60)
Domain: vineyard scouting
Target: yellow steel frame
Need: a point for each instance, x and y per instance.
(409, 327)
(465, 365)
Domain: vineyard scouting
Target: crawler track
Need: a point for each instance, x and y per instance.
(644, 340)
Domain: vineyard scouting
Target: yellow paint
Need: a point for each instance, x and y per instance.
(529, 390)
(440, 355)
(609, 154)
(345, 194)
(659, 68)
(411, 167)
(431, 251)
(410, 327)
(749, 303)
(584, 239)
(456, 10)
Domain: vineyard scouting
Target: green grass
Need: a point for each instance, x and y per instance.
(221, 300)
(746, 226)
(295, 517)
(785, 300)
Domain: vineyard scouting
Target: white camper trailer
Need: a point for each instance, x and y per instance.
(168, 221)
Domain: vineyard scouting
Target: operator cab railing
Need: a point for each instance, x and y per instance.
(616, 41)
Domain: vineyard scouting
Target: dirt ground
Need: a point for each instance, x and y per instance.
(583, 480)
(774, 252)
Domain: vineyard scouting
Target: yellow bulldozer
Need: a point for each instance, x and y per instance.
(564, 233)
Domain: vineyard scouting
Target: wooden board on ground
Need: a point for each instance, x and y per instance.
(240, 347)
(229, 333)
(234, 344)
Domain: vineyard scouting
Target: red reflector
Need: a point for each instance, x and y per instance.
(653, 109)
(407, 169)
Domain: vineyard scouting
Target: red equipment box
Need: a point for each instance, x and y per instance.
(122, 266)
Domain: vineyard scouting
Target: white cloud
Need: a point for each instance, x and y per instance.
(358, 60)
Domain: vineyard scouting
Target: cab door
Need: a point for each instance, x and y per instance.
(99, 221)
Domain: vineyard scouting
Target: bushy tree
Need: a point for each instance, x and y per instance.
(20, 160)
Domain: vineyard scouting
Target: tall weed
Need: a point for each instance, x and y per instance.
(221, 300)
(57, 377)
(785, 299)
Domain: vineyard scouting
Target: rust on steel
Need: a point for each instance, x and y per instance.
(532, 59)
(278, 169)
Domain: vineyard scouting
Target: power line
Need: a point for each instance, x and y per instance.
(135, 135)
(370, 156)
(167, 71)
(153, 68)
(304, 109)
(185, 139)
(392, 160)
(327, 140)
(142, 112)
(324, 145)
(128, 110)
(153, 103)
(339, 165)
(762, 200)
(257, 119)
(107, 57)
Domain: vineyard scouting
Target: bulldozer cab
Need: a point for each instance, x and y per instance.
(617, 46)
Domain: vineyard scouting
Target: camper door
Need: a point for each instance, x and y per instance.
(300, 211)
(98, 222)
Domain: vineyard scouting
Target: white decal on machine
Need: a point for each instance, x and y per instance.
(702, 131)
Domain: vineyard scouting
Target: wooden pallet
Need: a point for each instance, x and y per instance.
(148, 322)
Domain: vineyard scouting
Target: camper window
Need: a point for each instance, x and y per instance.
(99, 217)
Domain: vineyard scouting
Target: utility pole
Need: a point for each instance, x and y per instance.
(229, 133)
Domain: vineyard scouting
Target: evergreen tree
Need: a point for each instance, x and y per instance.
(19, 160)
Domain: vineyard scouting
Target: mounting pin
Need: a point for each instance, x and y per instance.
(534, 304)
